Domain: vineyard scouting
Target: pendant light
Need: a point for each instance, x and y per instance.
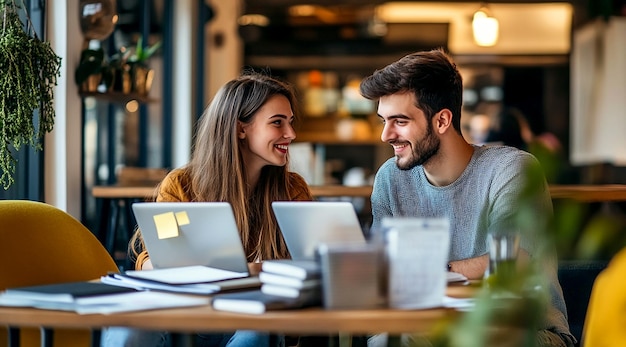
(485, 27)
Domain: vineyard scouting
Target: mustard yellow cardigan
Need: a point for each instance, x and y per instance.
(605, 323)
(172, 190)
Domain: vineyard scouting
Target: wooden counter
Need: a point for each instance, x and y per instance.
(148, 192)
(589, 193)
(583, 193)
(113, 195)
(119, 198)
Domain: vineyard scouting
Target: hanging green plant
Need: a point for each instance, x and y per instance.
(30, 69)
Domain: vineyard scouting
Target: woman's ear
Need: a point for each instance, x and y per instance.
(241, 133)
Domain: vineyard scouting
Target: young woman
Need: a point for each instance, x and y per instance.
(240, 156)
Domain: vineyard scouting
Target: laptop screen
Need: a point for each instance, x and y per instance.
(307, 224)
(191, 233)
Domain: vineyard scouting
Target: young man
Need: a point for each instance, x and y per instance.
(436, 173)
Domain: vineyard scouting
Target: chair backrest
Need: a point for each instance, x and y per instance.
(577, 278)
(605, 323)
(41, 244)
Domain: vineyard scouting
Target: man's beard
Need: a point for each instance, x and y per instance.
(424, 150)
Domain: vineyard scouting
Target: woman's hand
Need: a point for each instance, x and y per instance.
(147, 265)
(254, 268)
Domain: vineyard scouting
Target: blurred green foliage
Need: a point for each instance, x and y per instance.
(511, 314)
(581, 230)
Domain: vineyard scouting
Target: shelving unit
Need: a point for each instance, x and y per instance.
(145, 138)
(118, 97)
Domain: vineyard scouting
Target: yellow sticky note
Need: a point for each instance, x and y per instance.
(166, 225)
(182, 218)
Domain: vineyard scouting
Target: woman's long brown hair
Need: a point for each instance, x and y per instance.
(217, 172)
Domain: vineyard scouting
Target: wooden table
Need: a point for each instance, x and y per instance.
(196, 319)
(310, 321)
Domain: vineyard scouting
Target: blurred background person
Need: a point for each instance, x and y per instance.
(512, 129)
(478, 129)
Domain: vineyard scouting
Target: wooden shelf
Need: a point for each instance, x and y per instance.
(324, 130)
(118, 97)
(330, 138)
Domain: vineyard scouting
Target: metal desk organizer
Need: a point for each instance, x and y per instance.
(352, 275)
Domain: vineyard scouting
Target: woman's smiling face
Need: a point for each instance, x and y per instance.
(268, 135)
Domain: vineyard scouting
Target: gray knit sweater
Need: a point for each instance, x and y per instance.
(483, 199)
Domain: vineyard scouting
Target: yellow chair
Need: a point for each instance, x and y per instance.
(605, 322)
(41, 244)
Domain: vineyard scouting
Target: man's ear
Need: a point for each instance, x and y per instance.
(241, 132)
(443, 120)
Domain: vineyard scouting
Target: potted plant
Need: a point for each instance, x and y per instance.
(140, 73)
(119, 70)
(30, 69)
(92, 71)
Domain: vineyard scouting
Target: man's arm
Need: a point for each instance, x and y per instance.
(474, 268)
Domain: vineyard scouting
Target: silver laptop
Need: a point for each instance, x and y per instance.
(307, 224)
(191, 233)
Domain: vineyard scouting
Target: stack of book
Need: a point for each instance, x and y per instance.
(93, 297)
(291, 278)
(285, 284)
(196, 279)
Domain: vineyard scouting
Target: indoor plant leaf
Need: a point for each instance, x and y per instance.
(30, 69)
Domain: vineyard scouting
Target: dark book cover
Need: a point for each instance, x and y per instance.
(63, 292)
(257, 302)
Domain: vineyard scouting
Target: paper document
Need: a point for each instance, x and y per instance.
(460, 304)
(455, 277)
(191, 288)
(417, 251)
(186, 274)
(140, 284)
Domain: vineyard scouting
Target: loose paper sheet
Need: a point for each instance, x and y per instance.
(418, 252)
(186, 274)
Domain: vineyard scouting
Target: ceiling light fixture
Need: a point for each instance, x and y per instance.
(485, 27)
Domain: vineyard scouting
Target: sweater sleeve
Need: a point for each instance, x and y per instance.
(174, 187)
